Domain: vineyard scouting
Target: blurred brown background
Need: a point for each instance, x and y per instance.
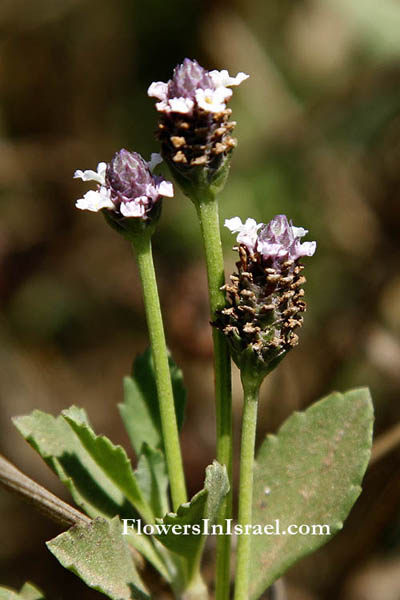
(319, 139)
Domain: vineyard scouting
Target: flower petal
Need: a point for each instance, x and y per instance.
(268, 250)
(158, 89)
(181, 105)
(163, 106)
(95, 200)
(213, 100)
(89, 175)
(247, 232)
(299, 231)
(307, 248)
(165, 188)
(136, 208)
(234, 224)
(223, 79)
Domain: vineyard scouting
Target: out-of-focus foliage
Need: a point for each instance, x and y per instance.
(319, 139)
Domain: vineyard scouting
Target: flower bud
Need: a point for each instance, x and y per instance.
(265, 298)
(127, 192)
(194, 127)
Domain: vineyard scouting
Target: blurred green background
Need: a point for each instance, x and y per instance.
(319, 139)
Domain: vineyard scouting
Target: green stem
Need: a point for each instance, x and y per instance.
(197, 590)
(142, 247)
(207, 209)
(249, 425)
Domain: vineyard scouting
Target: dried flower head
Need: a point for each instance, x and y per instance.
(126, 187)
(265, 298)
(194, 128)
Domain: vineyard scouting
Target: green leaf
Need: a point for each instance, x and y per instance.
(58, 445)
(90, 485)
(180, 535)
(308, 474)
(145, 545)
(28, 592)
(140, 412)
(112, 460)
(152, 478)
(31, 592)
(100, 556)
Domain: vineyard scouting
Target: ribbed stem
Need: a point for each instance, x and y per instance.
(207, 209)
(249, 425)
(142, 247)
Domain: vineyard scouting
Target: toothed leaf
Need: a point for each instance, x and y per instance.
(100, 556)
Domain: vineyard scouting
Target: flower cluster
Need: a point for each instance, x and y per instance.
(265, 296)
(193, 88)
(194, 128)
(276, 242)
(126, 186)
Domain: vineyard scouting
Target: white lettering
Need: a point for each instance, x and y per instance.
(125, 527)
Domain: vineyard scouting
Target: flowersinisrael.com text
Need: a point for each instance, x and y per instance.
(231, 528)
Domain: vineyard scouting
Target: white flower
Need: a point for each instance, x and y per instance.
(299, 231)
(234, 224)
(177, 105)
(180, 105)
(165, 188)
(95, 200)
(277, 240)
(155, 159)
(213, 100)
(223, 79)
(158, 89)
(247, 232)
(99, 176)
(136, 208)
(307, 248)
(194, 85)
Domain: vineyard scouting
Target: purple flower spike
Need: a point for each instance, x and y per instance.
(193, 88)
(194, 127)
(280, 240)
(187, 78)
(126, 186)
(276, 242)
(265, 298)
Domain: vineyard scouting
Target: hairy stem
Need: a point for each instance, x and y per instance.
(207, 209)
(52, 507)
(249, 425)
(13, 480)
(142, 247)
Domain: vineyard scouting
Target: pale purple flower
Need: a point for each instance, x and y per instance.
(247, 232)
(193, 87)
(276, 242)
(125, 186)
(265, 297)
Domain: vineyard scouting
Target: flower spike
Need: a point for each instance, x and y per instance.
(194, 127)
(126, 189)
(265, 298)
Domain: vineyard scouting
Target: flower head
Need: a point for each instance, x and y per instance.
(265, 298)
(192, 88)
(194, 128)
(126, 186)
(276, 242)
